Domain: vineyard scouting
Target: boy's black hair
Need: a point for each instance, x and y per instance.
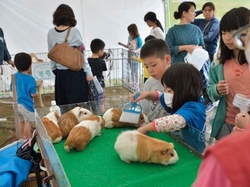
(97, 45)
(186, 82)
(149, 37)
(22, 61)
(155, 47)
(64, 15)
(231, 21)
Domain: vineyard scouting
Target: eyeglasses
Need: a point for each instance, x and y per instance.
(241, 37)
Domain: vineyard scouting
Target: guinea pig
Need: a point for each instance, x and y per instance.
(71, 118)
(133, 146)
(50, 123)
(112, 116)
(81, 134)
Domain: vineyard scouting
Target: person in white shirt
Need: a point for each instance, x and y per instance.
(157, 29)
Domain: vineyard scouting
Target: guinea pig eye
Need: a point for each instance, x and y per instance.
(172, 154)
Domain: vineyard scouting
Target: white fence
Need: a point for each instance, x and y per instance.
(122, 71)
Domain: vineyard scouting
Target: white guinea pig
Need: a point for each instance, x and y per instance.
(50, 123)
(133, 146)
(85, 131)
(113, 115)
(71, 118)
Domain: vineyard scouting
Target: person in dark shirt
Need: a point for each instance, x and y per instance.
(4, 53)
(209, 26)
(97, 65)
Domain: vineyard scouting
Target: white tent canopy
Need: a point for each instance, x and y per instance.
(26, 23)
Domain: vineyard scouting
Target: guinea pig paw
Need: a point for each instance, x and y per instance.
(67, 149)
(127, 161)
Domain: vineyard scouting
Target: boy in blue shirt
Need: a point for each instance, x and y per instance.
(25, 91)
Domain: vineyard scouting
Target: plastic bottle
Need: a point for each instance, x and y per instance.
(55, 108)
(97, 85)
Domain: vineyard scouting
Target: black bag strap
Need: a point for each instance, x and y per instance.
(36, 158)
(67, 35)
(36, 162)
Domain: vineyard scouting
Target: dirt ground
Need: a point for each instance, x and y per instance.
(115, 97)
(7, 128)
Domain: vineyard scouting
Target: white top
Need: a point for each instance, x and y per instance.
(158, 33)
(74, 39)
(153, 109)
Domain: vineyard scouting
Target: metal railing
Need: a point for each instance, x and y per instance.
(122, 71)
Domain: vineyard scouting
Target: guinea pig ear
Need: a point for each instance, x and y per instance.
(166, 152)
(57, 115)
(81, 113)
(142, 116)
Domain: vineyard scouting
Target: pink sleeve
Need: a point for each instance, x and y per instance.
(154, 125)
(211, 173)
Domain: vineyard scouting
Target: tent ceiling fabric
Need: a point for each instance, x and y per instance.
(26, 23)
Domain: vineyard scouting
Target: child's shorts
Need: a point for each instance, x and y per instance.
(24, 114)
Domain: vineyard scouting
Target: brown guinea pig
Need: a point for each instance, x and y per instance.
(112, 116)
(81, 134)
(50, 123)
(133, 146)
(71, 118)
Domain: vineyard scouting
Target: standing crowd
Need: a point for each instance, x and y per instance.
(176, 94)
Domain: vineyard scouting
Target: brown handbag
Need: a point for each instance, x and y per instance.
(66, 55)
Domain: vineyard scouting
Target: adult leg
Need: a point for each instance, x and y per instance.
(60, 91)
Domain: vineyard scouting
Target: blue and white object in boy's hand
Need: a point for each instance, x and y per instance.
(131, 111)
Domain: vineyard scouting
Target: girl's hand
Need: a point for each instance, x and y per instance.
(222, 87)
(146, 128)
(137, 96)
(134, 58)
(191, 48)
(142, 130)
(237, 129)
(150, 95)
(242, 120)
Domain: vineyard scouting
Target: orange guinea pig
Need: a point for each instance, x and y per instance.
(50, 122)
(133, 146)
(71, 118)
(112, 116)
(81, 134)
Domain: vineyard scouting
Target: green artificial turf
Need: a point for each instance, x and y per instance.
(99, 165)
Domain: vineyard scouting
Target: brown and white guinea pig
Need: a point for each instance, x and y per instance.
(71, 118)
(81, 134)
(133, 146)
(50, 122)
(113, 115)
